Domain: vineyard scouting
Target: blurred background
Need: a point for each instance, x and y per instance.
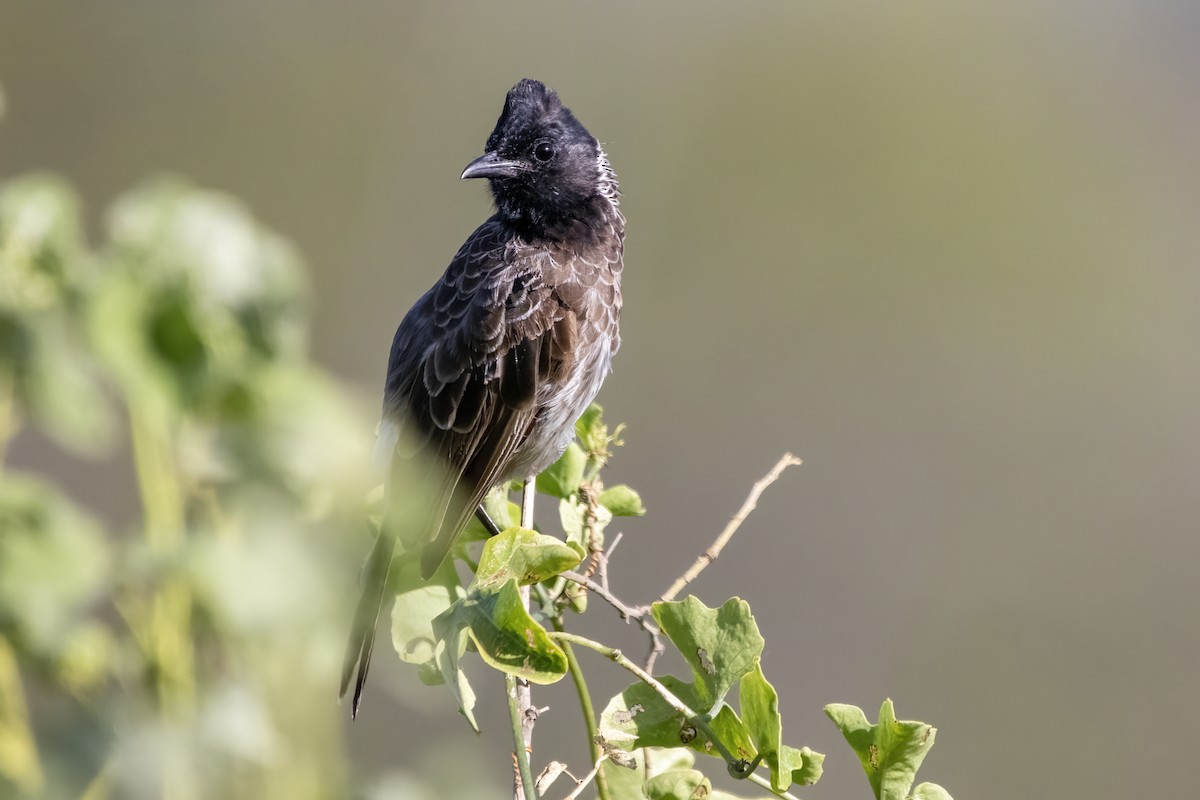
(945, 252)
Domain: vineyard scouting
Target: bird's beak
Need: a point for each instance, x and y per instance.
(490, 165)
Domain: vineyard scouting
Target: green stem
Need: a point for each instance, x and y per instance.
(8, 413)
(167, 627)
(589, 712)
(19, 762)
(755, 778)
(518, 730)
(619, 658)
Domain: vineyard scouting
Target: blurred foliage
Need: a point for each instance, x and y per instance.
(192, 655)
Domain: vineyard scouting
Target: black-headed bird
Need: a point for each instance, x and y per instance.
(491, 368)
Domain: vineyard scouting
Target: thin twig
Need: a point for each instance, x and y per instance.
(714, 550)
(595, 774)
(627, 612)
(639, 614)
(754, 777)
(620, 659)
(8, 413)
(589, 712)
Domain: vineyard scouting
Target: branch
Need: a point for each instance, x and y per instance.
(754, 777)
(627, 612)
(593, 775)
(714, 550)
(640, 614)
(520, 701)
(589, 717)
(525, 787)
(620, 659)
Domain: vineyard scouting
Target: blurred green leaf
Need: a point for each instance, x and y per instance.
(198, 297)
(720, 645)
(562, 478)
(41, 245)
(930, 791)
(54, 563)
(87, 658)
(418, 603)
(890, 751)
(622, 501)
(591, 430)
(450, 632)
(45, 273)
(572, 515)
(19, 763)
(62, 391)
(678, 784)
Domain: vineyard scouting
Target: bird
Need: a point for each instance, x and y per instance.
(491, 368)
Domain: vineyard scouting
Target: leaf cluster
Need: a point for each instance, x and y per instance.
(178, 341)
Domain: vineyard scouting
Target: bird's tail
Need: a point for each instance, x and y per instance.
(366, 616)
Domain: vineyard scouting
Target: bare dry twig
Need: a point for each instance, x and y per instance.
(583, 782)
(714, 550)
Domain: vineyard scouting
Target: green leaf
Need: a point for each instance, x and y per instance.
(418, 603)
(806, 766)
(591, 430)
(622, 501)
(890, 751)
(451, 642)
(930, 791)
(640, 717)
(562, 478)
(507, 637)
(625, 782)
(720, 645)
(524, 556)
(678, 784)
(760, 709)
(731, 732)
(572, 515)
(494, 618)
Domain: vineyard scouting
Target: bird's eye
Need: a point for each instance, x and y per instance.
(543, 151)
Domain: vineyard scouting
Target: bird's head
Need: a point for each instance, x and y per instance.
(544, 168)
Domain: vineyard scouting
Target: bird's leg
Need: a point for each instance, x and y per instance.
(488, 523)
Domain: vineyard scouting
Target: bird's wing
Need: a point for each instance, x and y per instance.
(499, 331)
(466, 366)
